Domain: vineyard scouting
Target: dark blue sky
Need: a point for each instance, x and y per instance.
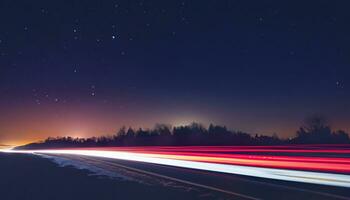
(257, 66)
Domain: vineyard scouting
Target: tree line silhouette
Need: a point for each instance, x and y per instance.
(314, 131)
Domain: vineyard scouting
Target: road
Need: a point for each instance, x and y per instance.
(222, 185)
(233, 172)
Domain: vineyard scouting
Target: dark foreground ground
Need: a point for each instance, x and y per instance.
(29, 177)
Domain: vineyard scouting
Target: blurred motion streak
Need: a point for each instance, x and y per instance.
(322, 164)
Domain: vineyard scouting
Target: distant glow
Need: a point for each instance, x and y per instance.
(230, 164)
(6, 148)
(182, 122)
(187, 119)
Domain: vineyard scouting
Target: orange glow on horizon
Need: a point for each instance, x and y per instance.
(24, 125)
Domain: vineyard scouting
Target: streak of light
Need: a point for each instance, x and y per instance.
(213, 164)
(334, 149)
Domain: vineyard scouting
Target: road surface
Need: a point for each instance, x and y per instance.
(221, 185)
(232, 172)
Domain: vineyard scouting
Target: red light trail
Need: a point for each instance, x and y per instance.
(326, 164)
(228, 155)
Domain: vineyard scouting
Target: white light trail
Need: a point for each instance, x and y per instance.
(331, 179)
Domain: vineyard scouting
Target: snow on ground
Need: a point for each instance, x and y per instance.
(94, 171)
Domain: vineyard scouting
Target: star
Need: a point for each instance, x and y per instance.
(37, 101)
(44, 11)
(339, 84)
(113, 37)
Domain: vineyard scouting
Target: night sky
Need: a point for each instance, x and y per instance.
(85, 68)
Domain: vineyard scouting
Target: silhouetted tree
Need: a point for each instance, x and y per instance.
(162, 129)
(340, 137)
(130, 132)
(314, 131)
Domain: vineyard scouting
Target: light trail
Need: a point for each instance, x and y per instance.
(309, 149)
(286, 168)
(340, 165)
(214, 154)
